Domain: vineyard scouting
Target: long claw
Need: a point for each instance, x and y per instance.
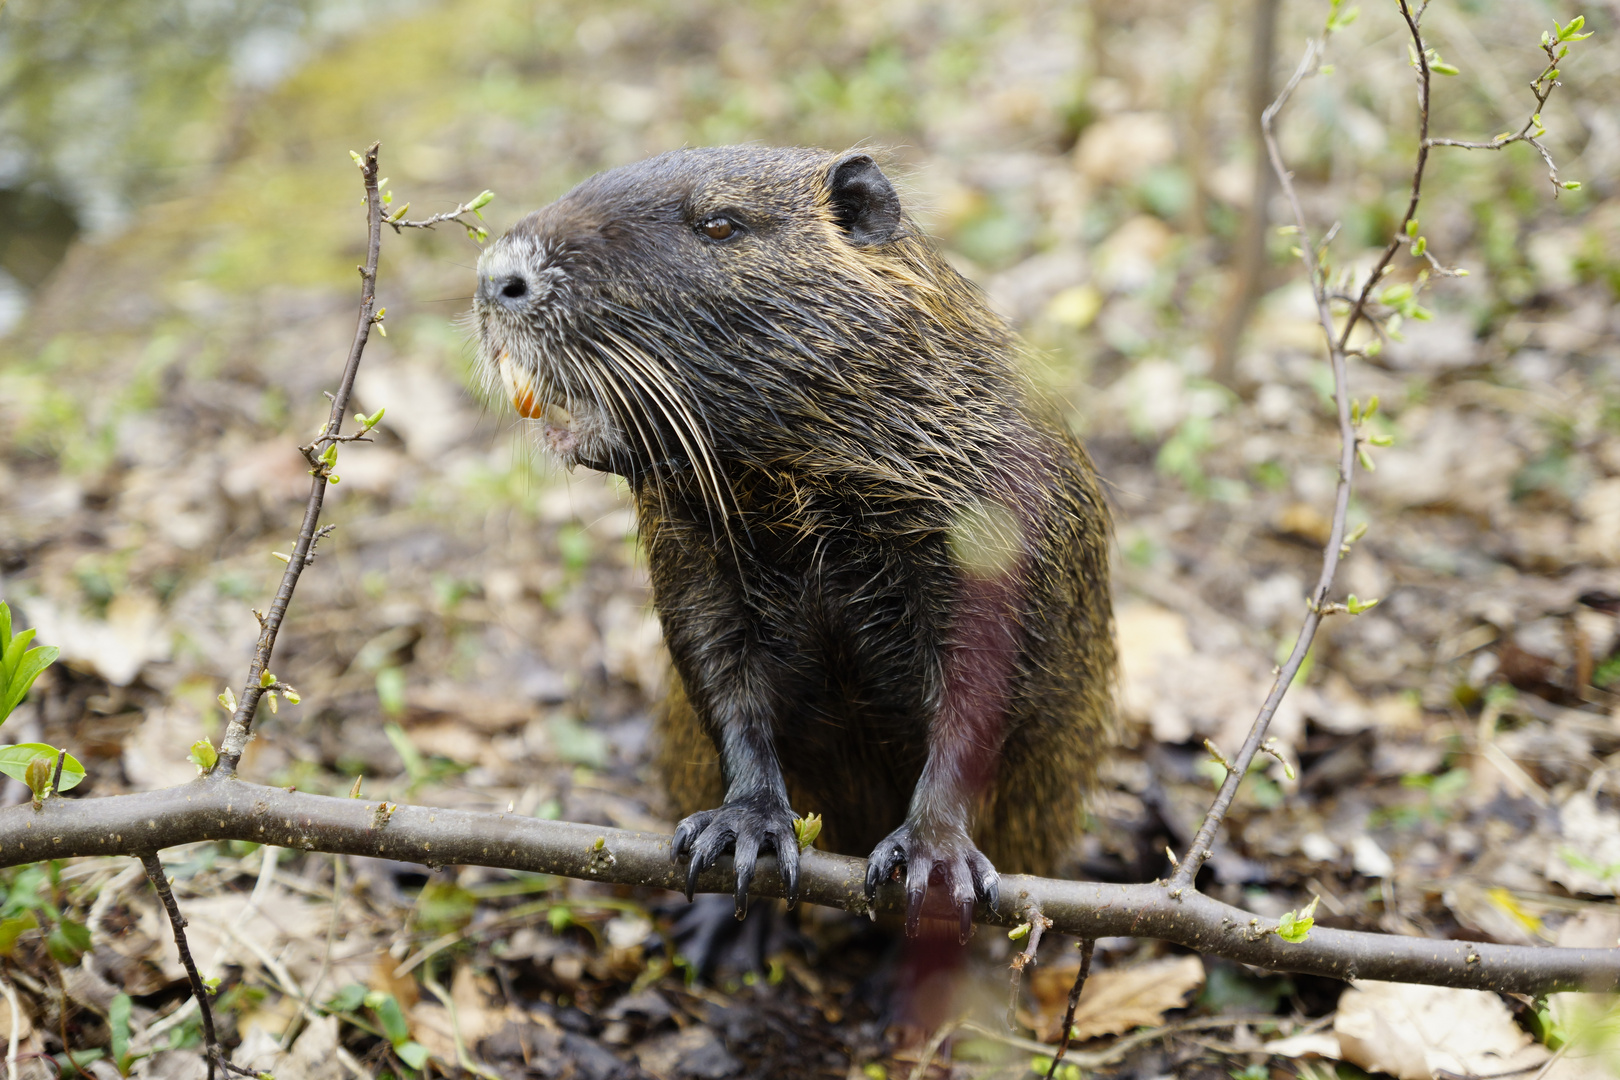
(685, 833)
(693, 869)
(916, 893)
(986, 882)
(967, 922)
(787, 861)
(875, 873)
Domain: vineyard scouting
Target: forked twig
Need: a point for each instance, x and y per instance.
(1337, 339)
(240, 729)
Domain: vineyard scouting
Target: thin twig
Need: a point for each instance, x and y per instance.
(1337, 340)
(1087, 946)
(241, 725)
(1542, 87)
(1038, 925)
(428, 222)
(199, 990)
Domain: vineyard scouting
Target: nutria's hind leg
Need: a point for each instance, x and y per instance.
(708, 936)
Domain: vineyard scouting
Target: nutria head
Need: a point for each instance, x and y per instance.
(734, 304)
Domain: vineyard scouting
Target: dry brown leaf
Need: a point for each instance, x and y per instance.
(1413, 1032)
(1114, 1002)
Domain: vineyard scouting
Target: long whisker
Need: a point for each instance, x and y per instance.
(647, 375)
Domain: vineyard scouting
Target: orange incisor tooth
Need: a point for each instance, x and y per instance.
(519, 387)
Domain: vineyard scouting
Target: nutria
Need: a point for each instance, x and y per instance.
(880, 562)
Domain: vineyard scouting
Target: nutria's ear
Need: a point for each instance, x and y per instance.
(863, 200)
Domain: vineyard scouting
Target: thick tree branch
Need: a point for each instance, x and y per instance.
(225, 808)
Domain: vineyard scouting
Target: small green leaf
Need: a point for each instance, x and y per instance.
(1294, 928)
(19, 665)
(14, 761)
(1395, 295)
(1019, 932)
(413, 1054)
(38, 776)
(1411, 227)
(13, 928)
(1419, 246)
(1356, 606)
(227, 701)
(1365, 459)
(266, 679)
(806, 829)
(68, 941)
(389, 1014)
(358, 160)
(118, 1026)
(1571, 185)
(204, 754)
(348, 999)
(1443, 68)
(480, 201)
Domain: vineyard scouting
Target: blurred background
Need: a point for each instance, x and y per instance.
(179, 226)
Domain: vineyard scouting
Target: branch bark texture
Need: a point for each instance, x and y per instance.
(225, 808)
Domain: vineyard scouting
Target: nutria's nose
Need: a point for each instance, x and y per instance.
(509, 290)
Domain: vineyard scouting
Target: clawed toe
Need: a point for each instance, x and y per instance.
(961, 867)
(743, 829)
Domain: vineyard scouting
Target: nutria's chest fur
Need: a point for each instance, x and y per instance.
(879, 561)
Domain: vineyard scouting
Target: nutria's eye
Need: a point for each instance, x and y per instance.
(514, 287)
(719, 228)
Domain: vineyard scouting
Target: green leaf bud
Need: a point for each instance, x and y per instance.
(204, 754)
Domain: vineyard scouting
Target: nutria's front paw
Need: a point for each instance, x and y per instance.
(947, 853)
(742, 827)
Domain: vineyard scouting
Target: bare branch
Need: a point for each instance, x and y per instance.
(225, 808)
(240, 728)
(1337, 340)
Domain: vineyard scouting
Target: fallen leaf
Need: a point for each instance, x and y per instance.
(1114, 1002)
(1414, 1032)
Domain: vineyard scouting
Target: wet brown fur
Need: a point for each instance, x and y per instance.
(821, 414)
